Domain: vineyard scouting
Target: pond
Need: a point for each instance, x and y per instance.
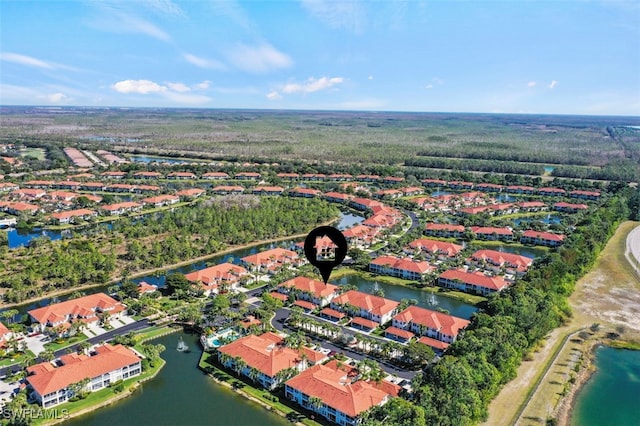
(397, 292)
(611, 396)
(180, 394)
(168, 160)
(550, 219)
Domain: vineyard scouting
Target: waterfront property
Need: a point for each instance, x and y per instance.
(87, 309)
(492, 233)
(52, 383)
(539, 238)
(364, 305)
(444, 230)
(471, 282)
(270, 261)
(73, 215)
(225, 276)
(335, 391)
(314, 291)
(434, 324)
(434, 249)
(495, 260)
(405, 268)
(262, 357)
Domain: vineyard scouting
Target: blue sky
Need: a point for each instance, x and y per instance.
(565, 57)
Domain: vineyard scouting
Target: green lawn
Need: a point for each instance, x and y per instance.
(16, 359)
(63, 343)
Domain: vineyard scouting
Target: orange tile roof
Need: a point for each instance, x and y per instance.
(447, 324)
(215, 274)
(73, 213)
(434, 246)
(547, 236)
(363, 322)
(274, 255)
(123, 205)
(332, 313)
(405, 334)
(499, 258)
(315, 287)
(191, 192)
(434, 343)
(375, 304)
(75, 307)
(405, 264)
(306, 305)
(266, 352)
(338, 387)
(45, 378)
(475, 278)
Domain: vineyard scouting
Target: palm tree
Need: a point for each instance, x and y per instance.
(315, 403)
(253, 374)
(239, 365)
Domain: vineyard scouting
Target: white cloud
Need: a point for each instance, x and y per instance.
(429, 86)
(139, 25)
(202, 62)
(164, 6)
(138, 86)
(531, 84)
(26, 60)
(120, 18)
(202, 86)
(259, 59)
(56, 98)
(312, 85)
(179, 87)
(338, 14)
(370, 78)
(553, 84)
(274, 95)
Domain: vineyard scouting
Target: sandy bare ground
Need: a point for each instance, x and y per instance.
(608, 295)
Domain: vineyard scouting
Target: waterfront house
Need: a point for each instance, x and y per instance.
(191, 193)
(161, 200)
(225, 276)
(552, 192)
(181, 176)
(364, 203)
(87, 309)
(5, 335)
(304, 192)
(433, 324)
(270, 261)
(337, 197)
(73, 215)
(265, 356)
(492, 233)
(146, 288)
(314, 291)
(342, 395)
(585, 195)
(118, 209)
(364, 305)
(520, 189)
(471, 282)
(540, 238)
(51, 383)
(569, 207)
(405, 268)
(433, 248)
(494, 260)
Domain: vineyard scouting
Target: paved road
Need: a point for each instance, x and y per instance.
(633, 249)
(279, 322)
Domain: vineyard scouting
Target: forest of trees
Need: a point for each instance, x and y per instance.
(164, 239)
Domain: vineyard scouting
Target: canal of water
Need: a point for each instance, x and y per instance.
(180, 394)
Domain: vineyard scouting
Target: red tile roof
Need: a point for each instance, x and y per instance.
(447, 324)
(500, 258)
(363, 322)
(73, 213)
(405, 264)
(217, 273)
(81, 306)
(266, 352)
(543, 235)
(434, 246)
(375, 304)
(434, 343)
(45, 378)
(338, 387)
(475, 278)
(405, 334)
(332, 313)
(309, 285)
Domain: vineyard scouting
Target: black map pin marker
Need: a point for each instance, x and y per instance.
(325, 248)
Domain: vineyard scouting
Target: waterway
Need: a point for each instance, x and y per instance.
(167, 160)
(612, 394)
(397, 292)
(180, 394)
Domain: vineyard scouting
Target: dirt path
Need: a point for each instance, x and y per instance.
(608, 295)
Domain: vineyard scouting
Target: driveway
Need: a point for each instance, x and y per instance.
(36, 343)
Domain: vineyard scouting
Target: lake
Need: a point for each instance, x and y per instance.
(397, 292)
(612, 394)
(180, 394)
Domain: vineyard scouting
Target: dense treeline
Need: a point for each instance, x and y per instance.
(211, 225)
(458, 389)
(162, 240)
(503, 152)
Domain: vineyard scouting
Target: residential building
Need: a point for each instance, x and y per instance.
(314, 291)
(552, 192)
(228, 189)
(87, 309)
(433, 248)
(51, 383)
(225, 276)
(405, 268)
(181, 176)
(268, 190)
(585, 195)
(495, 260)
(304, 192)
(492, 233)
(569, 208)
(191, 193)
(118, 209)
(368, 306)
(434, 324)
(270, 261)
(161, 200)
(540, 238)
(265, 356)
(215, 175)
(471, 282)
(73, 215)
(343, 396)
(444, 230)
